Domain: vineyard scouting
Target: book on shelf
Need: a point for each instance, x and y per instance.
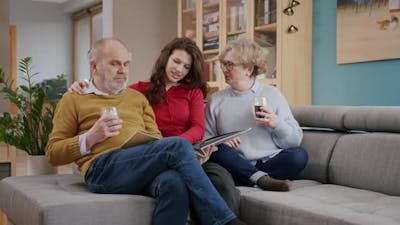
(211, 43)
(233, 18)
(272, 11)
(241, 18)
(139, 138)
(211, 27)
(216, 140)
(259, 13)
(210, 46)
(209, 35)
(211, 17)
(265, 12)
(237, 20)
(211, 40)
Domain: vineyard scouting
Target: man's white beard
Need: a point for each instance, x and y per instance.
(115, 87)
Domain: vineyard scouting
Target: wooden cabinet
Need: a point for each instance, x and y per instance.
(17, 160)
(214, 23)
(8, 155)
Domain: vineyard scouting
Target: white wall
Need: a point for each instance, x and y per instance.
(44, 32)
(145, 26)
(4, 47)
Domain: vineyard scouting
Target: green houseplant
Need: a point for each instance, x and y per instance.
(29, 129)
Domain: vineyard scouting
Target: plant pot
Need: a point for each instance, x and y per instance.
(32, 164)
(38, 165)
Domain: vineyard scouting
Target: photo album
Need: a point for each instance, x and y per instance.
(139, 138)
(216, 140)
(142, 137)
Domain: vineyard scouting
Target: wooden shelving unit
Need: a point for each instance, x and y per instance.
(289, 61)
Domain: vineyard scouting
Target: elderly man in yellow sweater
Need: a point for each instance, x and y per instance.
(166, 169)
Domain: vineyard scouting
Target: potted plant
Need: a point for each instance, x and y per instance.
(29, 129)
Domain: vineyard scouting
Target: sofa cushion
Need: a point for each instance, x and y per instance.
(317, 204)
(330, 117)
(65, 200)
(319, 146)
(368, 161)
(373, 119)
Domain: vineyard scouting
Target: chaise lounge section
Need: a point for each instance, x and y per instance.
(353, 177)
(353, 173)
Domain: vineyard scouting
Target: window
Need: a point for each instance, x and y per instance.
(87, 28)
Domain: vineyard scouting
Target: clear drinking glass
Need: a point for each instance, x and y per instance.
(259, 101)
(109, 110)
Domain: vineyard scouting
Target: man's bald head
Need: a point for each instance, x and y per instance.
(109, 65)
(102, 45)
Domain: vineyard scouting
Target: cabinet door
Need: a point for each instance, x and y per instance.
(296, 54)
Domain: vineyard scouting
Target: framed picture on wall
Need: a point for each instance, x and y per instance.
(367, 30)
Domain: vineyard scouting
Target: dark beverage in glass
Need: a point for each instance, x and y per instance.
(257, 108)
(259, 101)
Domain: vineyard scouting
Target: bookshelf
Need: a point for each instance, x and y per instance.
(214, 23)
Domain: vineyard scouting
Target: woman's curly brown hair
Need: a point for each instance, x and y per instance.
(194, 78)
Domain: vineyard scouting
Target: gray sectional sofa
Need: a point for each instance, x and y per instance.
(353, 177)
(353, 173)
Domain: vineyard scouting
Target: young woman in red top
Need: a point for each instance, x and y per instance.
(176, 90)
(176, 93)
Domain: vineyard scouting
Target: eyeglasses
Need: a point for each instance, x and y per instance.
(228, 65)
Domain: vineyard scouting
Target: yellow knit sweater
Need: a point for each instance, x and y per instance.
(76, 114)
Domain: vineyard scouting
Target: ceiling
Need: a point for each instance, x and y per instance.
(52, 1)
(70, 6)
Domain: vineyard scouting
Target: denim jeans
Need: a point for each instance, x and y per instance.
(287, 164)
(167, 170)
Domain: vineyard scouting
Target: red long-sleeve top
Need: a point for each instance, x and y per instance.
(181, 114)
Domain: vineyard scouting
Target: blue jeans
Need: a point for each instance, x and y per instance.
(285, 165)
(167, 170)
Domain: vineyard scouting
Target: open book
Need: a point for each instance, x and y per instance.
(216, 140)
(139, 138)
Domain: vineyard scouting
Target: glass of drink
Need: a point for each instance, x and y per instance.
(259, 101)
(109, 110)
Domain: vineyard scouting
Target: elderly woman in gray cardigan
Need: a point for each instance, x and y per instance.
(269, 155)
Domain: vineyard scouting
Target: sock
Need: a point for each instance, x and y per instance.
(236, 221)
(271, 184)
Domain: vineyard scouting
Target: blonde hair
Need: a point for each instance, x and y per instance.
(250, 54)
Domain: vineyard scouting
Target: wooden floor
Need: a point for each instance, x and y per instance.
(3, 218)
